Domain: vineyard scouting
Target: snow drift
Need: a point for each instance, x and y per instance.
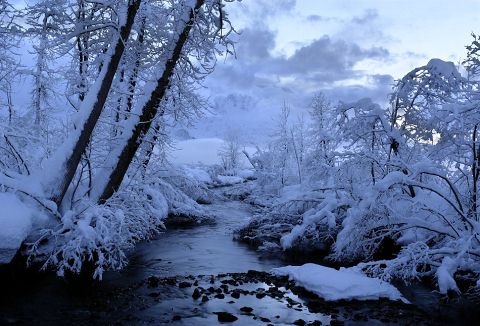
(15, 225)
(332, 284)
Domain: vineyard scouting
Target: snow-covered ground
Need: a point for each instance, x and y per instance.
(15, 222)
(203, 151)
(332, 284)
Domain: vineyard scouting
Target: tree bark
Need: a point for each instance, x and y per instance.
(475, 174)
(132, 83)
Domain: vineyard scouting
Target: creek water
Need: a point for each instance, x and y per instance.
(201, 250)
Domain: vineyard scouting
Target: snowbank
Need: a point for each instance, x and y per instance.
(332, 284)
(15, 225)
(229, 179)
(197, 174)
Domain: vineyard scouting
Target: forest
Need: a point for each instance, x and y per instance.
(352, 194)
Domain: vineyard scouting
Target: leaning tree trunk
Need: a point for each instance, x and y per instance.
(66, 160)
(132, 82)
(149, 111)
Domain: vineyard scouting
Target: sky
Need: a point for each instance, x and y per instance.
(287, 50)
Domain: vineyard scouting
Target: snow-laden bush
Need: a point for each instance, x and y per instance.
(193, 181)
(437, 236)
(300, 220)
(102, 234)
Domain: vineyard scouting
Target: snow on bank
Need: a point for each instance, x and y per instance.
(229, 179)
(332, 284)
(196, 173)
(15, 225)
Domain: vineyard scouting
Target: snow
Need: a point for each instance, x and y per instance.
(197, 174)
(203, 151)
(15, 225)
(229, 179)
(57, 162)
(346, 284)
(246, 173)
(323, 212)
(445, 275)
(445, 68)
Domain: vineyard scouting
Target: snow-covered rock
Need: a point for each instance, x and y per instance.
(332, 284)
(15, 225)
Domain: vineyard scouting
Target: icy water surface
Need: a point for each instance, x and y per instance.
(206, 249)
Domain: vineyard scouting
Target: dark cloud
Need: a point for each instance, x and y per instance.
(381, 79)
(315, 18)
(332, 57)
(313, 66)
(267, 79)
(367, 27)
(255, 44)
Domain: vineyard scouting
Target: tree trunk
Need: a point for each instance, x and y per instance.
(95, 100)
(149, 112)
(132, 83)
(151, 146)
(9, 103)
(475, 174)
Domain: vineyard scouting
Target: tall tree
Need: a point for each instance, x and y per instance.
(67, 158)
(149, 107)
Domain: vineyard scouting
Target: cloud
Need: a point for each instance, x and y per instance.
(312, 67)
(318, 18)
(267, 79)
(366, 18)
(368, 27)
(255, 44)
(382, 79)
(415, 55)
(315, 18)
(260, 10)
(327, 57)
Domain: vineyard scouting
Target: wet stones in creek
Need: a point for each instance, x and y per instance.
(225, 317)
(259, 298)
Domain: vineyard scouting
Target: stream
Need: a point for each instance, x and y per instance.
(166, 272)
(202, 250)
